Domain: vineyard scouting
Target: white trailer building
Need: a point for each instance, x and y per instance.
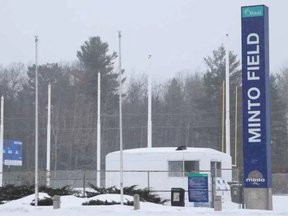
(164, 168)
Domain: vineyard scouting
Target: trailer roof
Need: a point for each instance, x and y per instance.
(168, 150)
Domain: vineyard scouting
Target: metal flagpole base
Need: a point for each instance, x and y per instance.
(258, 198)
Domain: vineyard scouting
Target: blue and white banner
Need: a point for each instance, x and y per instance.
(12, 153)
(256, 97)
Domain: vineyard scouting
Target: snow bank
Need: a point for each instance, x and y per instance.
(111, 197)
(25, 201)
(72, 206)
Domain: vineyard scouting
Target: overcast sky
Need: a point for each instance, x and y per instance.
(177, 33)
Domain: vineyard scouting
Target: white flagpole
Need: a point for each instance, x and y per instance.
(1, 141)
(99, 132)
(149, 131)
(36, 123)
(120, 120)
(227, 99)
(48, 137)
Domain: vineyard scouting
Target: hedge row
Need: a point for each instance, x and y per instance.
(146, 195)
(12, 192)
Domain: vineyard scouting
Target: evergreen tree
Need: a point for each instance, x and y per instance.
(54, 74)
(51, 73)
(215, 74)
(212, 103)
(93, 58)
(174, 97)
(174, 104)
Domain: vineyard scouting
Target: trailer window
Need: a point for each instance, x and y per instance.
(175, 168)
(182, 168)
(191, 167)
(216, 168)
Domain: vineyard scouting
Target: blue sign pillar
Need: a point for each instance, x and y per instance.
(256, 107)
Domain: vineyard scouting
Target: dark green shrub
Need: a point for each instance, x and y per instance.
(145, 194)
(66, 190)
(99, 191)
(12, 192)
(43, 202)
(100, 202)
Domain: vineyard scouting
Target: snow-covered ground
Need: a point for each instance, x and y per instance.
(72, 206)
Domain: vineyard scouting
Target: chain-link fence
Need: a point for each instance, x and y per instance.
(60, 178)
(280, 183)
(158, 181)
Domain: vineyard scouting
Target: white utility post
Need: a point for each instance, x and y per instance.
(48, 174)
(227, 99)
(36, 123)
(120, 120)
(99, 132)
(149, 131)
(1, 141)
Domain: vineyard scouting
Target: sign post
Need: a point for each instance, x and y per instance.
(198, 188)
(256, 107)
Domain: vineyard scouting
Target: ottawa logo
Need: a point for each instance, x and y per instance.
(255, 177)
(249, 12)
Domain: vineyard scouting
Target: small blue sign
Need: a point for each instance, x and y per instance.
(198, 188)
(12, 153)
(256, 97)
(203, 204)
